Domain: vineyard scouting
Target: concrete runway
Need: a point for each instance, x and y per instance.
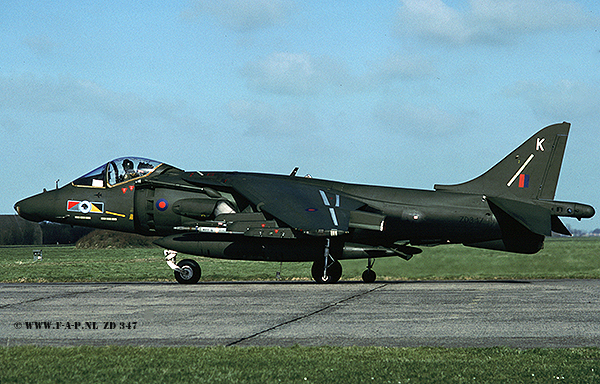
(524, 314)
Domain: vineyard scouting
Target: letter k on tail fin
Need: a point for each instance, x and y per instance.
(527, 173)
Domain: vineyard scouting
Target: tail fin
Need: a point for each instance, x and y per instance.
(529, 172)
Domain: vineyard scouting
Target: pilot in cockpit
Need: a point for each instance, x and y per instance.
(129, 172)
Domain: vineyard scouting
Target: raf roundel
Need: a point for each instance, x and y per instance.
(162, 205)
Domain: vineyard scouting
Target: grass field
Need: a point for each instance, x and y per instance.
(561, 258)
(297, 365)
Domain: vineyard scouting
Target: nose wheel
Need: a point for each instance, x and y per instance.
(187, 271)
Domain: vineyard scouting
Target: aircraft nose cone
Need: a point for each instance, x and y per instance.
(30, 209)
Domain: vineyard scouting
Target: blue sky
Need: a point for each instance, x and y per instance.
(401, 93)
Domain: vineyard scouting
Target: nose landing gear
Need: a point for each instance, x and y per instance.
(187, 271)
(190, 272)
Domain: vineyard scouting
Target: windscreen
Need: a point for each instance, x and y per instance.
(117, 171)
(95, 178)
(128, 168)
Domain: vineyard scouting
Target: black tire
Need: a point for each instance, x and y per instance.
(334, 272)
(190, 274)
(369, 276)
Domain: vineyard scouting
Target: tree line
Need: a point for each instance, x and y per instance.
(15, 230)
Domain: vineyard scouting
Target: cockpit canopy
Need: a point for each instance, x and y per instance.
(117, 171)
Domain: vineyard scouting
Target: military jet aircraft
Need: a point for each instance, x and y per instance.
(252, 216)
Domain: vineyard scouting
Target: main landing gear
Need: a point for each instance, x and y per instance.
(327, 270)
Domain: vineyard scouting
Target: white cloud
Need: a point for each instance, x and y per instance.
(10, 125)
(433, 19)
(488, 21)
(398, 66)
(70, 96)
(296, 74)
(264, 119)
(564, 100)
(242, 15)
(302, 74)
(414, 120)
(40, 44)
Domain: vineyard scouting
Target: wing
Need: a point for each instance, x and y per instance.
(301, 204)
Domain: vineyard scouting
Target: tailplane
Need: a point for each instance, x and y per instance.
(529, 172)
(520, 193)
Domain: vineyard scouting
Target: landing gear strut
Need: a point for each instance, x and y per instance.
(369, 275)
(326, 270)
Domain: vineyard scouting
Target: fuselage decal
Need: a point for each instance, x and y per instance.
(538, 144)
(115, 214)
(523, 181)
(328, 204)
(84, 206)
(520, 170)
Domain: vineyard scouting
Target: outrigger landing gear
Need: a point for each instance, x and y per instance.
(369, 275)
(187, 271)
(327, 270)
